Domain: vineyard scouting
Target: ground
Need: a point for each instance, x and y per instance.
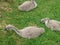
(9, 14)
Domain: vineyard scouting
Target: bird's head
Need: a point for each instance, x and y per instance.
(44, 20)
(9, 27)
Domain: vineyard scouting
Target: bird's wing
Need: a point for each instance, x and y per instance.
(26, 5)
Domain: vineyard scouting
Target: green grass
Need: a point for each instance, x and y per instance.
(45, 8)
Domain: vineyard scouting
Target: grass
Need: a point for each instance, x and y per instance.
(45, 8)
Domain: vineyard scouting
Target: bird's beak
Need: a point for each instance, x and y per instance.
(5, 28)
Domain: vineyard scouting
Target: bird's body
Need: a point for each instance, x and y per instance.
(32, 32)
(52, 24)
(27, 6)
(29, 32)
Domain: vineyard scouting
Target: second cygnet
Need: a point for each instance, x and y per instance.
(52, 24)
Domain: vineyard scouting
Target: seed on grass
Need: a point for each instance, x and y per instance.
(8, 9)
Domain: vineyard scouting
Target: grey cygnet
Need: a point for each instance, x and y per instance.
(27, 5)
(52, 24)
(27, 32)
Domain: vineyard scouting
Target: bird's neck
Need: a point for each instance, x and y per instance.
(46, 22)
(16, 30)
(34, 2)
